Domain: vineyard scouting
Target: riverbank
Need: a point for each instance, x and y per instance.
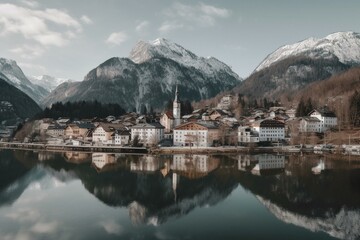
(164, 150)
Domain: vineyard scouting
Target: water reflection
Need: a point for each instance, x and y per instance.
(155, 190)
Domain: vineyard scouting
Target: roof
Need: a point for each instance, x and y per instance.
(147, 125)
(206, 124)
(324, 111)
(271, 123)
(108, 127)
(311, 119)
(85, 125)
(169, 114)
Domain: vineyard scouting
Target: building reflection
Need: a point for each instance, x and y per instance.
(261, 164)
(77, 157)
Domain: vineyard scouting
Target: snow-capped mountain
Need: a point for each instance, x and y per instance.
(47, 82)
(343, 45)
(15, 76)
(292, 67)
(148, 78)
(163, 48)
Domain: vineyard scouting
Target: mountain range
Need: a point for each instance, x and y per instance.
(47, 82)
(15, 76)
(290, 68)
(148, 78)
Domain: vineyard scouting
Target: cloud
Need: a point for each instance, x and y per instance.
(28, 51)
(85, 19)
(180, 15)
(117, 38)
(45, 227)
(141, 26)
(111, 227)
(34, 68)
(41, 26)
(24, 215)
(31, 3)
(169, 26)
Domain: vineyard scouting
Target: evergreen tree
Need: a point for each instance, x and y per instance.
(300, 109)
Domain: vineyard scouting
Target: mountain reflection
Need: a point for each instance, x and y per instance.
(156, 188)
(319, 193)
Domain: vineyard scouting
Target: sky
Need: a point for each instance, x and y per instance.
(68, 38)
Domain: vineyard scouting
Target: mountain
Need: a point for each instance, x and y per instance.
(292, 67)
(14, 103)
(47, 82)
(149, 77)
(15, 76)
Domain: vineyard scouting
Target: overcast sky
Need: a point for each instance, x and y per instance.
(68, 38)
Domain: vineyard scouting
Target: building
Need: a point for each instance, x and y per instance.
(167, 120)
(148, 133)
(104, 133)
(200, 134)
(310, 124)
(225, 102)
(177, 109)
(78, 130)
(270, 130)
(246, 135)
(121, 137)
(55, 130)
(327, 118)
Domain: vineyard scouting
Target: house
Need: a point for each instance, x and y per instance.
(148, 133)
(105, 132)
(121, 137)
(146, 163)
(218, 113)
(310, 124)
(194, 166)
(246, 135)
(55, 130)
(200, 134)
(167, 120)
(225, 102)
(78, 130)
(327, 118)
(270, 130)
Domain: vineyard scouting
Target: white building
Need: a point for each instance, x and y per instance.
(121, 137)
(148, 133)
(200, 134)
(327, 118)
(246, 135)
(194, 166)
(310, 124)
(270, 130)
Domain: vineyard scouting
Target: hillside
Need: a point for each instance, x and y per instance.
(14, 103)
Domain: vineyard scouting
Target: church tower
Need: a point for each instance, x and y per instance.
(176, 109)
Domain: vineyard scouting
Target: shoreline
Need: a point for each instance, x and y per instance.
(154, 151)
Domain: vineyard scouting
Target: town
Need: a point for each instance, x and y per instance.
(202, 128)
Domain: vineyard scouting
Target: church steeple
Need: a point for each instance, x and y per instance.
(176, 108)
(176, 94)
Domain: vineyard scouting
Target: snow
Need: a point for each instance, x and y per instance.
(47, 82)
(161, 47)
(344, 45)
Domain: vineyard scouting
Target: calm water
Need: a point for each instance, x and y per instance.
(114, 196)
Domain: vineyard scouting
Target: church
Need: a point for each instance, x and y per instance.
(169, 119)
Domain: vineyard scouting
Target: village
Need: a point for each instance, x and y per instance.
(203, 128)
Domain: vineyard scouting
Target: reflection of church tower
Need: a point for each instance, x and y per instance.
(176, 109)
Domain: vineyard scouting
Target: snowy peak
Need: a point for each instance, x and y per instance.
(161, 47)
(342, 45)
(164, 48)
(47, 82)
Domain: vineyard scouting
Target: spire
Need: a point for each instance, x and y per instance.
(176, 94)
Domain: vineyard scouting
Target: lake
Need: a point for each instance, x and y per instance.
(116, 196)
